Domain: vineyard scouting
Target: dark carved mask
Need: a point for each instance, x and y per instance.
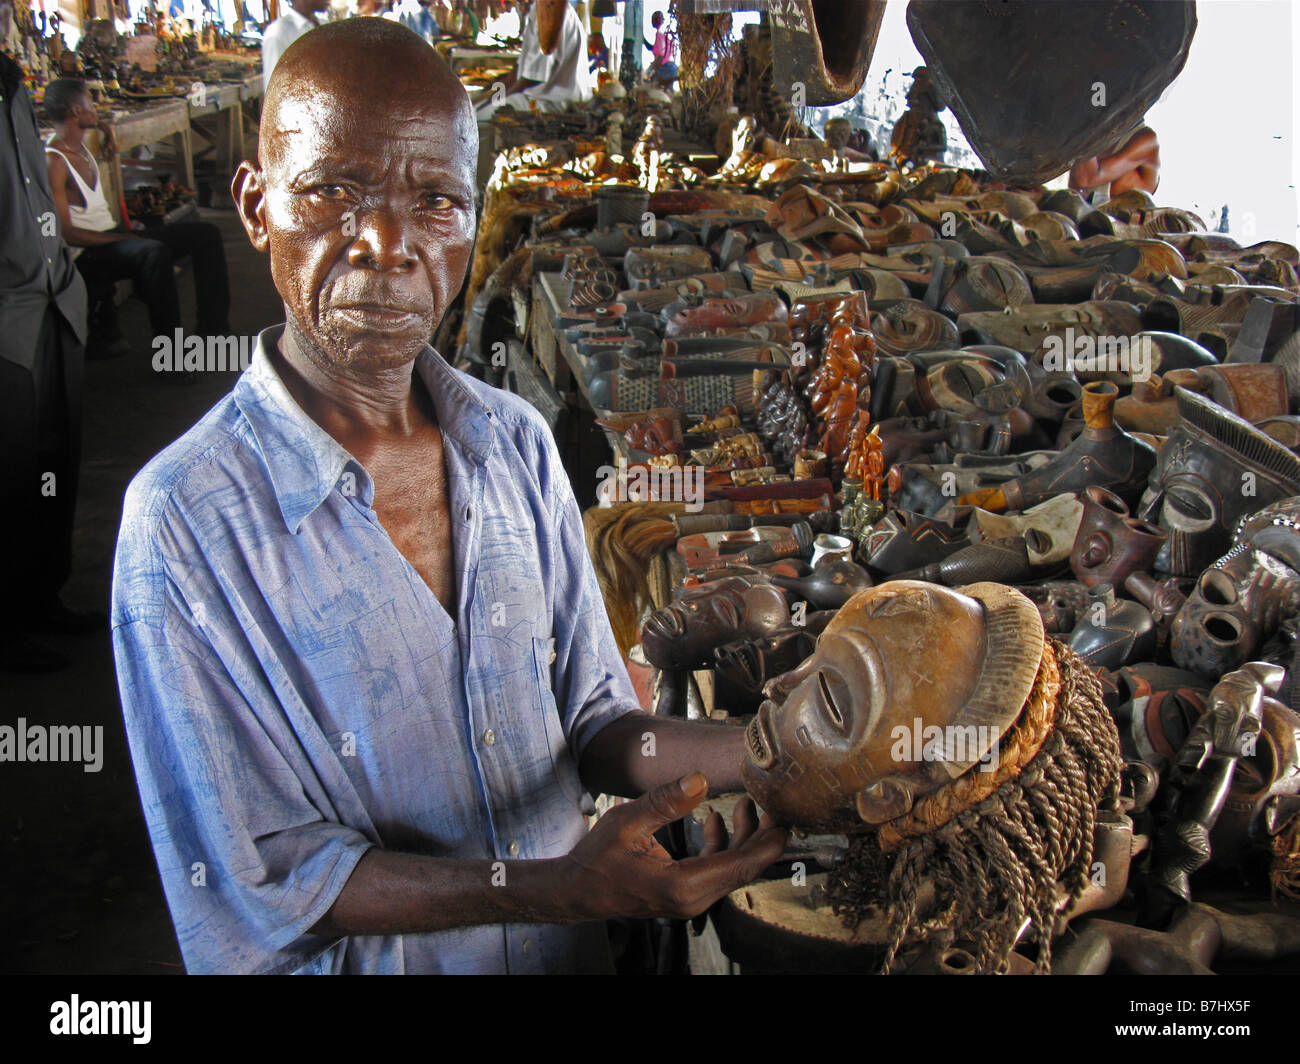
(1157, 707)
(743, 668)
(685, 634)
(1240, 601)
(1214, 469)
(1110, 543)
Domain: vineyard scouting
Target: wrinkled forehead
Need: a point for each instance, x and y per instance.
(323, 121)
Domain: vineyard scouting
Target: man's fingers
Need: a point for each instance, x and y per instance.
(744, 822)
(715, 834)
(667, 803)
(706, 879)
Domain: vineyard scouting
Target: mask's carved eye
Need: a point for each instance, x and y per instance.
(828, 701)
(1192, 505)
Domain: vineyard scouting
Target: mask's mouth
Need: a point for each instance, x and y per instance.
(744, 661)
(667, 623)
(758, 746)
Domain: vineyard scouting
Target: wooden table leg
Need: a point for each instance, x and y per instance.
(184, 146)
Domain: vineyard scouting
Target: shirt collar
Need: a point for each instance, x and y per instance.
(306, 463)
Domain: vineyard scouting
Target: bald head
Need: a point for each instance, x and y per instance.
(362, 192)
(358, 68)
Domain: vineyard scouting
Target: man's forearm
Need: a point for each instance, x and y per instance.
(91, 238)
(636, 752)
(399, 893)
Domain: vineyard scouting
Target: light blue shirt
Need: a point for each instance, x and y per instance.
(295, 694)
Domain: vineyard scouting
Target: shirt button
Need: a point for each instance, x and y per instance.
(528, 945)
(513, 848)
(551, 660)
(489, 737)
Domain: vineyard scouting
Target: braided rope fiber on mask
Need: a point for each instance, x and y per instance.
(1008, 858)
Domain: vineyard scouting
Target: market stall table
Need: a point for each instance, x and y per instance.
(218, 116)
(167, 121)
(558, 357)
(462, 56)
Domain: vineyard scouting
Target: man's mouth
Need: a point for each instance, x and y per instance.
(758, 747)
(383, 316)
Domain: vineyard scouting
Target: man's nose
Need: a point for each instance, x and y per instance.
(382, 241)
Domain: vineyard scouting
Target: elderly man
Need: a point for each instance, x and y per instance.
(365, 667)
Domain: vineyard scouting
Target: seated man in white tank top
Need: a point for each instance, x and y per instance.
(108, 252)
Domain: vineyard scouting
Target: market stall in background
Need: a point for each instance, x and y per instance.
(947, 457)
(814, 385)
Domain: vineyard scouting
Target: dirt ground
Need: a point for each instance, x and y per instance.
(79, 890)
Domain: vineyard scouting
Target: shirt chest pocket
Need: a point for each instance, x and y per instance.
(562, 762)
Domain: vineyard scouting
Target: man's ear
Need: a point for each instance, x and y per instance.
(248, 190)
(884, 800)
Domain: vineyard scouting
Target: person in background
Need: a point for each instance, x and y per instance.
(629, 71)
(415, 15)
(551, 82)
(1135, 165)
(108, 252)
(467, 20)
(663, 68)
(296, 19)
(597, 53)
(42, 329)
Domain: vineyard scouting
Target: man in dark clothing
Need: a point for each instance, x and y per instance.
(42, 329)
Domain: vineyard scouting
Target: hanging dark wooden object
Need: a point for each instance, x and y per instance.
(821, 48)
(1039, 85)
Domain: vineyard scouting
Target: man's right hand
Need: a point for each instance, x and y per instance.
(619, 870)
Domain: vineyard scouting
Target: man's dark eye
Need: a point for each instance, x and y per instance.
(331, 192)
(439, 202)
